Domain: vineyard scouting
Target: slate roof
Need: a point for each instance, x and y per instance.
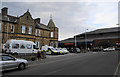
(51, 23)
(11, 18)
(104, 30)
(41, 26)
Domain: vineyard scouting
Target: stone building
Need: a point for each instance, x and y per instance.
(25, 27)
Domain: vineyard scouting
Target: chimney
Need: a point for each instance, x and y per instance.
(37, 20)
(4, 11)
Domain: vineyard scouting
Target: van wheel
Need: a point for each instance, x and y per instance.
(21, 66)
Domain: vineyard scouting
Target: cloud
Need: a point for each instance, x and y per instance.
(60, 0)
(71, 17)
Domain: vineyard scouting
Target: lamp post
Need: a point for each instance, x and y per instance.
(75, 42)
(75, 37)
(86, 38)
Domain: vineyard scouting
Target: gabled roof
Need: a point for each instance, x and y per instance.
(41, 26)
(51, 23)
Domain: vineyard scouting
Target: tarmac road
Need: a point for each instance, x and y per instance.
(92, 63)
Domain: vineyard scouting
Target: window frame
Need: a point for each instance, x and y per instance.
(30, 30)
(23, 30)
(13, 47)
(12, 58)
(39, 32)
(51, 34)
(12, 26)
(36, 32)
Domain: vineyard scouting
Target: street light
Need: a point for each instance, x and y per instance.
(75, 37)
(86, 37)
(75, 42)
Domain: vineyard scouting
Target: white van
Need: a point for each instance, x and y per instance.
(20, 46)
(49, 50)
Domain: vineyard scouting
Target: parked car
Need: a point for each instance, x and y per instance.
(9, 62)
(61, 51)
(109, 49)
(65, 50)
(50, 50)
(71, 50)
(76, 50)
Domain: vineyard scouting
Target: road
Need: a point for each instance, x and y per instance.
(97, 63)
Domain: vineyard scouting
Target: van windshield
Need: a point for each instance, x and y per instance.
(7, 46)
(35, 47)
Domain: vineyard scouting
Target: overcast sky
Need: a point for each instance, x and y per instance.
(70, 17)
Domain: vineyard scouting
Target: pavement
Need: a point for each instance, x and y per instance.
(91, 63)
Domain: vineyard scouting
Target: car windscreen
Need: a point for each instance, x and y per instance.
(52, 49)
(77, 49)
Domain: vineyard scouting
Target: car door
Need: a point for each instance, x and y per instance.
(8, 62)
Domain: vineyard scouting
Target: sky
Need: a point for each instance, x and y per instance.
(71, 17)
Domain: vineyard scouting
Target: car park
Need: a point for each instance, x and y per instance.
(9, 62)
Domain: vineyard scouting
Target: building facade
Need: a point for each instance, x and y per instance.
(25, 27)
(96, 38)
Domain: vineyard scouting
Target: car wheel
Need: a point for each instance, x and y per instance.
(21, 66)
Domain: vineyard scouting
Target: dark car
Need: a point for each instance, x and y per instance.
(76, 50)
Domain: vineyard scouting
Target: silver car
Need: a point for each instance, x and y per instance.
(8, 62)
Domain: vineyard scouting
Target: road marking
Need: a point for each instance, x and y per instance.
(55, 56)
(117, 69)
(54, 71)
